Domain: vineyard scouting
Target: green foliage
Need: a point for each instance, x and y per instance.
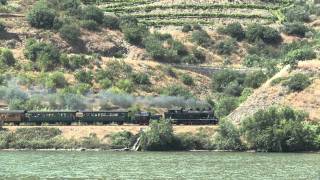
(93, 13)
(6, 57)
(226, 105)
(105, 83)
(253, 60)
(297, 29)
(135, 34)
(296, 55)
(111, 22)
(297, 82)
(228, 137)
(297, 13)
(223, 78)
(140, 78)
(90, 25)
(278, 130)
(176, 90)
(186, 28)
(84, 76)
(187, 79)
(91, 142)
(74, 62)
(115, 70)
(2, 27)
(70, 32)
(255, 79)
(126, 85)
(123, 139)
(159, 137)
(200, 140)
(256, 32)
(41, 16)
(234, 30)
(226, 47)
(201, 37)
(3, 2)
(44, 54)
(56, 80)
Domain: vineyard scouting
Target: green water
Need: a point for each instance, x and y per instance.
(158, 165)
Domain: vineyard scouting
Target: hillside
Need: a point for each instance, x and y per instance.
(126, 54)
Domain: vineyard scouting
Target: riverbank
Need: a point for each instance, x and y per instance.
(78, 132)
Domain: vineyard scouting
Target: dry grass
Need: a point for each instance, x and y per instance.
(78, 132)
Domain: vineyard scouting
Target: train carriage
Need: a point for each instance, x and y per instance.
(104, 117)
(12, 116)
(51, 117)
(191, 117)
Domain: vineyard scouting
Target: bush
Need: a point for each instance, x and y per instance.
(46, 55)
(93, 13)
(186, 28)
(6, 57)
(84, 76)
(297, 13)
(124, 139)
(225, 47)
(41, 16)
(225, 106)
(223, 78)
(296, 29)
(187, 79)
(298, 82)
(256, 32)
(56, 80)
(111, 22)
(278, 130)
(125, 85)
(2, 27)
(201, 38)
(90, 25)
(228, 137)
(74, 62)
(176, 90)
(159, 137)
(233, 89)
(253, 60)
(234, 30)
(140, 78)
(71, 6)
(135, 34)
(294, 56)
(70, 32)
(105, 83)
(3, 2)
(255, 79)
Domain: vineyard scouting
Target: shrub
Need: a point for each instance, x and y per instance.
(105, 83)
(187, 79)
(294, 56)
(74, 62)
(90, 25)
(253, 60)
(228, 137)
(199, 55)
(225, 106)
(45, 54)
(234, 30)
(71, 6)
(233, 89)
(297, 29)
(297, 13)
(256, 32)
(140, 78)
(84, 76)
(41, 16)
(70, 32)
(278, 130)
(3, 2)
(223, 78)
(93, 13)
(159, 137)
(111, 22)
(91, 142)
(176, 90)
(201, 38)
(225, 47)
(125, 85)
(255, 79)
(135, 34)
(6, 57)
(56, 80)
(2, 27)
(127, 21)
(124, 139)
(298, 82)
(186, 28)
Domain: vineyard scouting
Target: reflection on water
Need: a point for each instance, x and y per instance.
(158, 165)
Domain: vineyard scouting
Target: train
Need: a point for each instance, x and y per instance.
(120, 117)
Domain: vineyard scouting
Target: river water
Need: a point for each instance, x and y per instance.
(158, 165)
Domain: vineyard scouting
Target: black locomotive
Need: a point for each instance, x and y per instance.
(177, 116)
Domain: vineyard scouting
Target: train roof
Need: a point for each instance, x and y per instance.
(115, 111)
(54, 111)
(12, 111)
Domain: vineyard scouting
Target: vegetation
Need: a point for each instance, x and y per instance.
(201, 37)
(234, 30)
(297, 82)
(228, 137)
(71, 32)
(296, 29)
(6, 57)
(41, 16)
(2, 27)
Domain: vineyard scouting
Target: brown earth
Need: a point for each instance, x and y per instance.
(78, 132)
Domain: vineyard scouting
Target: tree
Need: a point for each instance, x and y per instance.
(228, 137)
(6, 57)
(70, 32)
(226, 105)
(234, 30)
(93, 13)
(201, 38)
(278, 130)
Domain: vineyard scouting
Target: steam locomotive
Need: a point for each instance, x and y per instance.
(177, 116)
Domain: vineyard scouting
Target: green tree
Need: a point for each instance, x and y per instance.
(228, 137)
(234, 30)
(93, 13)
(201, 37)
(41, 16)
(70, 32)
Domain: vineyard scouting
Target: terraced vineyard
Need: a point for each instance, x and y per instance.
(178, 13)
